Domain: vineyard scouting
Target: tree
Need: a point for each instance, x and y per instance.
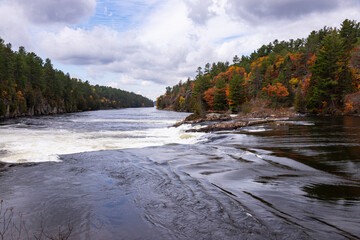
(329, 79)
(168, 90)
(236, 59)
(199, 72)
(209, 97)
(237, 92)
(350, 31)
(207, 68)
(220, 97)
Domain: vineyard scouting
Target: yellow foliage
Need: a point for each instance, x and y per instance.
(279, 61)
(294, 82)
(181, 101)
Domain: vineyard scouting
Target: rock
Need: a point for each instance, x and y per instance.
(210, 117)
(235, 124)
(217, 117)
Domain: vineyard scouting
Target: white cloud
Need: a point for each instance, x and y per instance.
(127, 80)
(145, 83)
(165, 40)
(13, 27)
(81, 47)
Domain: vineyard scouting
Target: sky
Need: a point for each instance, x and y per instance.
(145, 45)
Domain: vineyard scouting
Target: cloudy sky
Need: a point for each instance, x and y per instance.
(145, 45)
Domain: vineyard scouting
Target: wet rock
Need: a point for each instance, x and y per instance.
(222, 126)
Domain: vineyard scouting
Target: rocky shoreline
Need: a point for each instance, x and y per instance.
(225, 121)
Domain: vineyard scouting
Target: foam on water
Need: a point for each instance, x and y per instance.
(125, 121)
(18, 145)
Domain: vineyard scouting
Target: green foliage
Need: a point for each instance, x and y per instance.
(237, 92)
(27, 84)
(329, 73)
(220, 98)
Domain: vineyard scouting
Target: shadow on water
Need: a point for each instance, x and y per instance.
(333, 192)
(294, 180)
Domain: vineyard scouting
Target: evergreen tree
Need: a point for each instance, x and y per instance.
(220, 98)
(328, 75)
(237, 92)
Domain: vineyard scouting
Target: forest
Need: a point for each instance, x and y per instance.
(29, 86)
(318, 75)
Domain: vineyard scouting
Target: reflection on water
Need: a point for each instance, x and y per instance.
(333, 192)
(290, 180)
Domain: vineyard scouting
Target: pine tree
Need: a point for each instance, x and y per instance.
(220, 98)
(328, 75)
(237, 92)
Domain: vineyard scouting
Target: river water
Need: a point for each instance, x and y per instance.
(125, 174)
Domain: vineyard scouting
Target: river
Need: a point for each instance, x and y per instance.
(125, 174)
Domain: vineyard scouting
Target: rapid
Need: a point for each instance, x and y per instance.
(126, 174)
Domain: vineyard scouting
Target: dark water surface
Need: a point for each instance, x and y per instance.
(295, 180)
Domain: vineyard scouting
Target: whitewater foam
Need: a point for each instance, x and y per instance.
(19, 145)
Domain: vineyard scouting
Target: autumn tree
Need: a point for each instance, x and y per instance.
(276, 92)
(209, 97)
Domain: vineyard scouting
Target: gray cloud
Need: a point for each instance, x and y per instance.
(199, 10)
(57, 11)
(253, 10)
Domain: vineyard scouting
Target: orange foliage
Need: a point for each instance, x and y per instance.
(258, 62)
(278, 90)
(306, 84)
(312, 59)
(279, 61)
(294, 57)
(349, 107)
(352, 103)
(229, 74)
(219, 76)
(227, 91)
(209, 96)
(19, 95)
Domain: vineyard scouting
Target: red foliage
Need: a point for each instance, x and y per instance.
(209, 96)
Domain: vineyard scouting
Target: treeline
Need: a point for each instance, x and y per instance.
(30, 86)
(319, 74)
